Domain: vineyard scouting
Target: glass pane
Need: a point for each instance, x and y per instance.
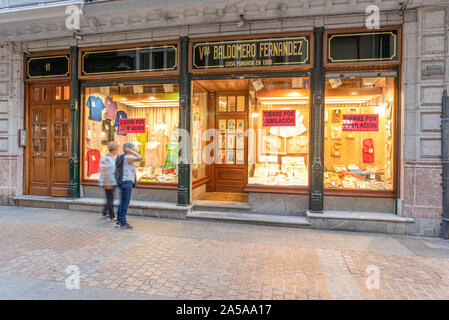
(66, 93)
(58, 145)
(66, 145)
(241, 103)
(154, 133)
(36, 94)
(359, 133)
(35, 145)
(36, 131)
(43, 116)
(231, 103)
(58, 93)
(278, 139)
(58, 132)
(44, 94)
(65, 130)
(222, 104)
(43, 131)
(43, 145)
(58, 115)
(36, 115)
(66, 115)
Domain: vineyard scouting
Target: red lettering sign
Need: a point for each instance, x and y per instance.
(136, 125)
(279, 118)
(360, 122)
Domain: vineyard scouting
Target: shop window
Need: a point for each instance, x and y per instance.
(152, 112)
(359, 134)
(198, 128)
(279, 116)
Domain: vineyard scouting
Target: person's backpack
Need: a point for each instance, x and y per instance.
(119, 168)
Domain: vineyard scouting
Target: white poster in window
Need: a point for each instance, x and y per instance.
(240, 141)
(230, 157)
(240, 157)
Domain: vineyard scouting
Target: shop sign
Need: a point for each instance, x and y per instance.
(48, 67)
(136, 125)
(286, 51)
(159, 58)
(279, 118)
(360, 122)
(381, 46)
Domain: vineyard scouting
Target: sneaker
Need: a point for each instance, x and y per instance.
(117, 224)
(112, 219)
(104, 215)
(126, 226)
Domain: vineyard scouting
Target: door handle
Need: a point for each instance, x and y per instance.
(38, 154)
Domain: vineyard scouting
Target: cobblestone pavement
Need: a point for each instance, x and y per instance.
(204, 260)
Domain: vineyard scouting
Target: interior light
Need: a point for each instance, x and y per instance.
(254, 115)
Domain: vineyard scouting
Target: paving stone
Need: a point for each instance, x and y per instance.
(174, 261)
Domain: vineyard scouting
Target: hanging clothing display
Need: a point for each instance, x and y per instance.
(108, 128)
(120, 115)
(93, 137)
(96, 106)
(143, 139)
(93, 162)
(152, 152)
(172, 156)
(111, 108)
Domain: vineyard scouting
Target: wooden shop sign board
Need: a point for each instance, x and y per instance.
(251, 53)
(48, 67)
(363, 47)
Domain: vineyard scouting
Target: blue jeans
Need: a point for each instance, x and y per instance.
(125, 196)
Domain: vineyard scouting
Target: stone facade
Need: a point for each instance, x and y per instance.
(426, 59)
(425, 51)
(11, 119)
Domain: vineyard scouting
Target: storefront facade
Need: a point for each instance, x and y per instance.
(298, 116)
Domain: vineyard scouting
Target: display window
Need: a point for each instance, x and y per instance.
(279, 116)
(199, 125)
(255, 130)
(145, 115)
(359, 139)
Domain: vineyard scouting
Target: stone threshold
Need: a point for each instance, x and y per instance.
(360, 216)
(252, 218)
(136, 207)
(222, 204)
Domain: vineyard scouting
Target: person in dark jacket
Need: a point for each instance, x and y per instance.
(126, 178)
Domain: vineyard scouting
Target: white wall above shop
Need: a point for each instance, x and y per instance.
(41, 22)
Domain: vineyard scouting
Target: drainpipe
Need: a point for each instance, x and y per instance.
(445, 162)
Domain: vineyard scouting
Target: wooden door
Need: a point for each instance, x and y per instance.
(231, 144)
(60, 141)
(49, 126)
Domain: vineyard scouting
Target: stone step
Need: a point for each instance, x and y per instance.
(141, 208)
(265, 219)
(220, 206)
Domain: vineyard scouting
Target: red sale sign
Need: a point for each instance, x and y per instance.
(136, 125)
(360, 122)
(279, 118)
